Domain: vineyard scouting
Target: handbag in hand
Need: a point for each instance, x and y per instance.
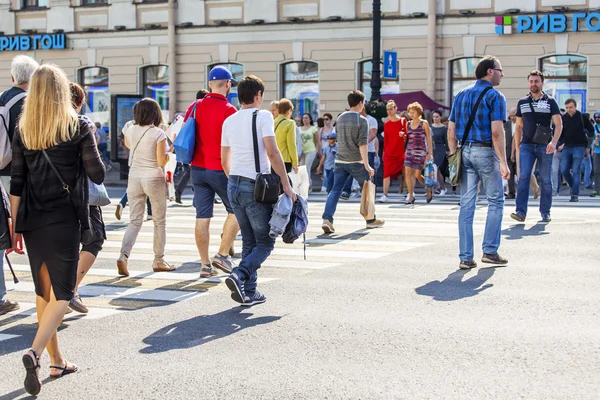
(267, 186)
(455, 160)
(543, 133)
(88, 234)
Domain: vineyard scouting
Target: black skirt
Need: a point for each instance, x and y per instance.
(56, 245)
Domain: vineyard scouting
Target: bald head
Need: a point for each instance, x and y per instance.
(512, 114)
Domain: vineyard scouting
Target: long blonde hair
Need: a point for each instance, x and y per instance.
(48, 117)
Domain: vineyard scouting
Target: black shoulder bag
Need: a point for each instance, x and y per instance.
(455, 160)
(88, 235)
(543, 133)
(266, 187)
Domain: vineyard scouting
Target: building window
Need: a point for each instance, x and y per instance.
(462, 74)
(92, 2)
(94, 81)
(155, 84)
(237, 70)
(366, 72)
(35, 3)
(300, 84)
(565, 78)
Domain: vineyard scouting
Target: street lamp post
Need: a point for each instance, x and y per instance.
(376, 70)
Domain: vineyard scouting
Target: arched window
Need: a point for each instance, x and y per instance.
(237, 70)
(388, 86)
(94, 81)
(462, 74)
(300, 84)
(155, 84)
(566, 77)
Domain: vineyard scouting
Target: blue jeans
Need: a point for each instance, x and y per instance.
(329, 179)
(530, 153)
(254, 219)
(480, 164)
(586, 167)
(570, 166)
(348, 186)
(2, 281)
(341, 173)
(103, 150)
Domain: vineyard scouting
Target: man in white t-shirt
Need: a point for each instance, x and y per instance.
(237, 157)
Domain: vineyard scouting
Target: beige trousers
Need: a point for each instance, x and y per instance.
(138, 189)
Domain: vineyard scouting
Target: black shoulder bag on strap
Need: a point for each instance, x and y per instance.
(455, 160)
(543, 133)
(88, 235)
(266, 187)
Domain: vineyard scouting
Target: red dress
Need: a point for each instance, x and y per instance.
(393, 147)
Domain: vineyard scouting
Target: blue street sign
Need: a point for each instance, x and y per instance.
(390, 65)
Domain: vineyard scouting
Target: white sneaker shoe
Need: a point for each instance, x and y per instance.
(383, 199)
(443, 192)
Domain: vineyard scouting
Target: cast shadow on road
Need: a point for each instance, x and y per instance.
(454, 288)
(518, 231)
(19, 392)
(201, 330)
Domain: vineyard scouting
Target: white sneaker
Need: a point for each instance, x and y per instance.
(383, 198)
(443, 192)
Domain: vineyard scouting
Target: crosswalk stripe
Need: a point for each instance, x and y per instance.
(4, 336)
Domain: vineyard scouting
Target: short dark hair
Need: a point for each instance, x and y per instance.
(201, 93)
(571, 101)
(77, 95)
(147, 112)
(249, 87)
(355, 98)
(320, 122)
(98, 125)
(485, 63)
(535, 72)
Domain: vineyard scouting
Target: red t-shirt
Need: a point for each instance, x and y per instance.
(393, 144)
(211, 112)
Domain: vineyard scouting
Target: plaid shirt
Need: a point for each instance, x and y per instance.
(492, 108)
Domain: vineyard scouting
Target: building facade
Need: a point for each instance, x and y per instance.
(312, 51)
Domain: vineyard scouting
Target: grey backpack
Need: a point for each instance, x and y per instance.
(5, 144)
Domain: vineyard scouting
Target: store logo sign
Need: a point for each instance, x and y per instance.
(548, 23)
(32, 42)
(504, 25)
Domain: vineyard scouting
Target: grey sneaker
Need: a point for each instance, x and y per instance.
(256, 298)
(8, 306)
(206, 271)
(77, 305)
(467, 264)
(224, 263)
(496, 259)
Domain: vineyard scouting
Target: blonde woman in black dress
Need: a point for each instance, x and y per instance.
(43, 206)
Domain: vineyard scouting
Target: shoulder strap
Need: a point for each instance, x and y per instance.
(277, 126)
(144, 134)
(58, 175)
(472, 116)
(255, 141)
(531, 106)
(15, 100)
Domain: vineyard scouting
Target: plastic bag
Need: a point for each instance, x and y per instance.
(300, 181)
(430, 174)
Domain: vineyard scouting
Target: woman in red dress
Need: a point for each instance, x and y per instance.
(394, 134)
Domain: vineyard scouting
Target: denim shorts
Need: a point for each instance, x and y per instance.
(206, 183)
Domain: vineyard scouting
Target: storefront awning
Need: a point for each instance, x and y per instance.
(404, 99)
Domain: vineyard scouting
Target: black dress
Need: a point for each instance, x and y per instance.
(47, 217)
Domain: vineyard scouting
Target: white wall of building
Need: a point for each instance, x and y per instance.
(260, 9)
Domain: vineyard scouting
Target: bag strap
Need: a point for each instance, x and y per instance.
(15, 100)
(277, 126)
(472, 116)
(144, 134)
(255, 141)
(58, 175)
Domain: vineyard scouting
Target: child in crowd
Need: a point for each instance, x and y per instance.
(328, 161)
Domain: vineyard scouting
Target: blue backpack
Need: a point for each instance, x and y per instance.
(298, 223)
(185, 142)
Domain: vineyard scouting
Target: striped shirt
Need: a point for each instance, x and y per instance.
(544, 108)
(492, 108)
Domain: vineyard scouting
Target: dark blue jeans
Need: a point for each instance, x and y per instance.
(348, 186)
(530, 153)
(341, 173)
(254, 219)
(329, 179)
(570, 167)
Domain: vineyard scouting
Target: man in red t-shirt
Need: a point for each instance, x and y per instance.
(208, 177)
(394, 135)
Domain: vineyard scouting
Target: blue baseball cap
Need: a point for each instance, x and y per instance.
(220, 73)
(332, 136)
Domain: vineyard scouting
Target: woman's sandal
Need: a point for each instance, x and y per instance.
(65, 370)
(32, 383)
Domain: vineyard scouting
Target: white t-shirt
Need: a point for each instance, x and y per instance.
(237, 135)
(372, 125)
(143, 162)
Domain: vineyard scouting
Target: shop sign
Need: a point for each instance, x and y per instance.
(32, 42)
(548, 23)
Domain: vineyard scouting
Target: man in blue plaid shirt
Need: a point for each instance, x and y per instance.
(483, 159)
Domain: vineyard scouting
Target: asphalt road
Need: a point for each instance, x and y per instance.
(378, 314)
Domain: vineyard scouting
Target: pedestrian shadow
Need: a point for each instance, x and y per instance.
(19, 392)
(454, 288)
(518, 231)
(356, 235)
(201, 330)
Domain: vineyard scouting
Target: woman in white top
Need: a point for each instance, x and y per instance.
(148, 146)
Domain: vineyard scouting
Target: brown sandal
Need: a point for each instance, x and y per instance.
(32, 383)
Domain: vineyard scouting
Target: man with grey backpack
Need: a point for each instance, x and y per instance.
(11, 104)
